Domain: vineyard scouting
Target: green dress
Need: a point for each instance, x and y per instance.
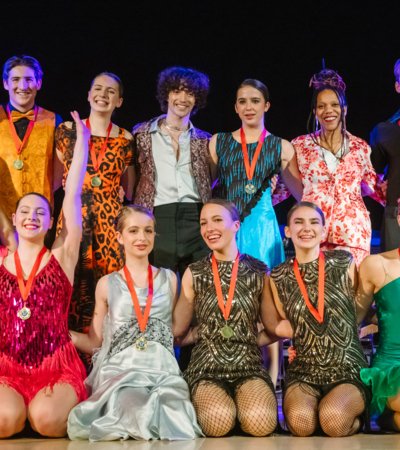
(384, 374)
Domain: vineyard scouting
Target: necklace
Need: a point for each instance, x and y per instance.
(318, 314)
(226, 331)
(342, 151)
(174, 128)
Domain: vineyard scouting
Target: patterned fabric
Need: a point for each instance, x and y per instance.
(232, 177)
(156, 330)
(38, 352)
(213, 357)
(99, 252)
(146, 171)
(36, 174)
(328, 352)
(338, 193)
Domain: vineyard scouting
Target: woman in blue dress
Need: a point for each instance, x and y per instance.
(244, 162)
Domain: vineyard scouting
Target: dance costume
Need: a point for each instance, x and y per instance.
(136, 393)
(259, 234)
(38, 352)
(327, 353)
(227, 362)
(99, 250)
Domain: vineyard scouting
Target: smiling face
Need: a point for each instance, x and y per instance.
(104, 95)
(32, 218)
(251, 105)
(180, 103)
(137, 234)
(328, 111)
(305, 228)
(22, 87)
(217, 227)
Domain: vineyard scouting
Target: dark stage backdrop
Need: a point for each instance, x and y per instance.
(280, 43)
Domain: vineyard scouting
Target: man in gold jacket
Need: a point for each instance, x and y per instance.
(27, 162)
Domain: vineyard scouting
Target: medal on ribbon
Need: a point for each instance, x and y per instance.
(319, 312)
(97, 159)
(24, 313)
(250, 168)
(226, 331)
(141, 342)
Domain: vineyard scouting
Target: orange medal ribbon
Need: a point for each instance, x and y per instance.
(25, 289)
(141, 318)
(250, 168)
(225, 307)
(19, 145)
(96, 160)
(319, 315)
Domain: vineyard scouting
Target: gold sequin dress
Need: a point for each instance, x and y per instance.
(215, 358)
(327, 353)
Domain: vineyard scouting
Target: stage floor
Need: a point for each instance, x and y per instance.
(278, 442)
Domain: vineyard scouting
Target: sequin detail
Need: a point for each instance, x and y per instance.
(128, 334)
(327, 352)
(215, 357)
(38, 352)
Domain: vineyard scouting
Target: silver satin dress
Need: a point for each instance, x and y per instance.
(134, 393)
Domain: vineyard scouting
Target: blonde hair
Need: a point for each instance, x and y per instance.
(125, 211)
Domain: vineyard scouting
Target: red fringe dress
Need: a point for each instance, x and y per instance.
(38, 352)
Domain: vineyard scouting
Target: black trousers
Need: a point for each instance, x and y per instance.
(178, 243)
(390, 232)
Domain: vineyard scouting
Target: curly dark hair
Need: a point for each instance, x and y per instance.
(327, 79)
(178, 78)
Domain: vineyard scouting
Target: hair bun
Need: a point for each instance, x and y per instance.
(326, 79)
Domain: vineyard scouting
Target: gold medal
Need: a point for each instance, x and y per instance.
(250, 188)
(226, 331)
(18, 164)
(96, 181)
(24, 313)
(141, 343)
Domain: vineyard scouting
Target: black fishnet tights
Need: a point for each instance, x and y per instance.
(337, 412)
(216, 410)
(256, 406)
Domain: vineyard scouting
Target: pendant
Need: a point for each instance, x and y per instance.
(141, 343)
(250, 188)
(24, 313)
(18, 164)
(226, 332)
(96, 181)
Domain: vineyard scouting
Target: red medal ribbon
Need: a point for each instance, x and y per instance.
(19, 145)
(96, 160)
(251, 168)
(225, 307)
(319, 315)
(25, 289)
(141, 318)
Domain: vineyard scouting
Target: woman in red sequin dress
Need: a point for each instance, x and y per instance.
(41, 375)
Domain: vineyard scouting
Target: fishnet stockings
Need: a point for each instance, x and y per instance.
(300, 407)
(216, 410)
(256, 406)
(337, 412)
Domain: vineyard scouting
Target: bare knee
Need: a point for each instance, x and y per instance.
(301, 422)
(48, 422)
(12, 421)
